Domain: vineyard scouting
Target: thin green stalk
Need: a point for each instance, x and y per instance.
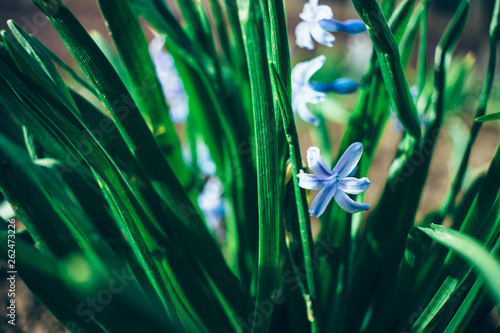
(266, 152)
(132, 46)
(422, 48)
(470, 250)
(346, 260)
(398, 204)
(456, 186)
(300, 197)
(388, 56)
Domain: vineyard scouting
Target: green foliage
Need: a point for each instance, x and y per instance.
(93, 168)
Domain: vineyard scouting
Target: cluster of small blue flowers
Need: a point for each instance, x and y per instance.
(318, 23)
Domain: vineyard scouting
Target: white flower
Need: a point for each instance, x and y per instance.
(311, 15)
(302, 92)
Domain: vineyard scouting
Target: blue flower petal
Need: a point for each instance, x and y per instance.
(353, 185)
(340, 86)
(352, 27)
(344, 86)
(348, 204)
(323, 198)
(349, 159)
(317, 164)
(331, 25)
(311, 182)
(353, 172)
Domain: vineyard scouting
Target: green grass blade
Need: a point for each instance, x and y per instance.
(24, 184)
(488, 117)
(306, 239)
(115, 96)
(390, 64)
(58, 61)
(29, 65)
(64, 293)
(471, 250)
(480, 209)
(222, 31)
(471, 303)
(408, 39)
(480, 117)
(141, 226)
(422, 47)
(133, 49)
(33, 46)
(366, 126)
(469, 306)
(400, 198)
(266, 149)
(416, 246)
(456, 280)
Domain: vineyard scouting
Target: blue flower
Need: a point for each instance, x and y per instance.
(169, 79)
(302, 92)
(203, 158)
(305, 92)
(318, 21)
(334, 183)
(212, 205)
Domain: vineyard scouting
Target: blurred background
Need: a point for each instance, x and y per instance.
(347, 58)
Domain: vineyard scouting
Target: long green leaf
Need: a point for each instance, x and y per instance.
(390, 64)
(265, 146)
(471, 250)
(399, 201)
(300, 196)
(133, 49)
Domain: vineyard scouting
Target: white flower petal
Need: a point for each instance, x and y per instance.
(303, 36)
(313, 66)
(304, 113)
(313, 97)
(323, 12)
(299, 72)
(321, 36)
(308, 12)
